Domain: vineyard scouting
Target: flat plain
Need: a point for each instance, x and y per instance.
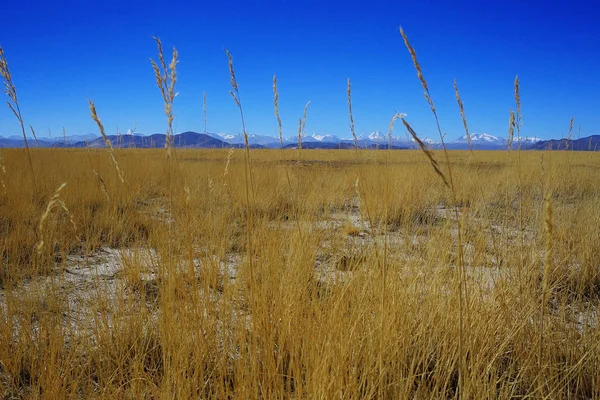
(324, 274)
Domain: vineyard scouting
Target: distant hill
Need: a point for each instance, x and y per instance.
(376, 140)
(158, 140)
(589, 143)
(320, 145)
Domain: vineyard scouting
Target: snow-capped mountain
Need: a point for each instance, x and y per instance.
(530, 140)
(376, 139)
(253, 139)
(425, 140)
(479, 141)
(480, 138)
(317, 137)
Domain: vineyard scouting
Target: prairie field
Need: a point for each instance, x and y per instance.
(300, 274)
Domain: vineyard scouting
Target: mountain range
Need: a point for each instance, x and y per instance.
(375, 140)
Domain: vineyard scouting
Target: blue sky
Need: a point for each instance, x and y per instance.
(63, 53)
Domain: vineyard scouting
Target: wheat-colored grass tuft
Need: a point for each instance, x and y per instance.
(426, 92)
(571, 123)
(13, 104)
(413, 54)
(449, 182)
(549, 227)
(235, 94)
(395, 118)
(249, 185)
(427, 151)
(205, 111)
(511, 130)
(276, 104)
(166, 77)
(518, 115)
(3, 170)
(102, 184)
(463, 116)
(54, 201)
(107, 142)
(229, 155)
(34, 135)
(352, 129)
(302, 125)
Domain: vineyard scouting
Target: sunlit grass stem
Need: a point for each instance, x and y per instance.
(13, 104)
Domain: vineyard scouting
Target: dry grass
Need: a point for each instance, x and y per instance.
(309, 323)
(283, 278)
(13, 103)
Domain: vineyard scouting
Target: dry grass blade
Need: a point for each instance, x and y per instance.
(232, 79)
(463, 116)
(205, 114)
(395, 117)
(302, 126)
(548, 225)
(166, 77)
(34, 135)
(426, 93)
(571, 123)
(3, 170)
(413, 54)
(249, 184)
(449, 184)
(276, 104)
(428, 153)
(229, 155)
(352, 129)
(107, 142)
(304, 118)
(511, 130)
(13, 104)
(102, 184)
(54, 201)
(300, 134)
(518, 116)
(235, 94)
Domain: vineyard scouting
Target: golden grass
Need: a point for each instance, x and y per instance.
(344, 274)
(308, 331)
(107, 142)
(13, 103)
(166, 77)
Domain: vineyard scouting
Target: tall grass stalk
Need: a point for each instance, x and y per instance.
(352, 129)
(301, 128)
(518, 124)
(361, 195)
(463, 115)
(461, 286)
(107, 141)
(166, 77)
(3, 171)
(34, 135)
(54, 201)
(235, 94)
(13, 104)
(384, 265)
(283, 158)
(548, 225)
(205, 111)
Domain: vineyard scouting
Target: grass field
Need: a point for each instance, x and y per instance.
(355, 285)
(300, 274)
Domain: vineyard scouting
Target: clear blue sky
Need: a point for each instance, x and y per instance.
(62, 53)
